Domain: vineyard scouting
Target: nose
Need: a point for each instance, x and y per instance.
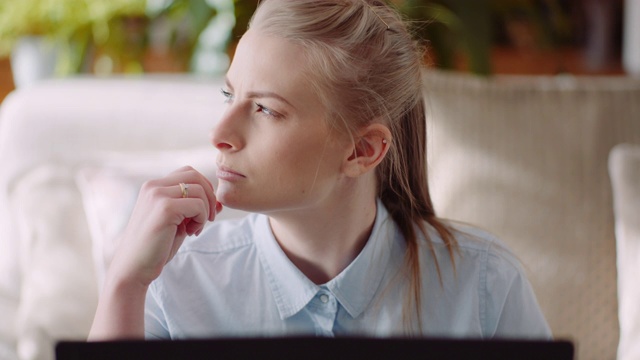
(227, 133)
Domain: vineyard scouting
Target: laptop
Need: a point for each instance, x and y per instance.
(312, 348)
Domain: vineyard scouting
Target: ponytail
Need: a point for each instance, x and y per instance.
(404, 190)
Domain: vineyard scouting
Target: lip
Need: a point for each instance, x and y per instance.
(226, 173)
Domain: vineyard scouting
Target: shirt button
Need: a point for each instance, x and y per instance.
(324, 298)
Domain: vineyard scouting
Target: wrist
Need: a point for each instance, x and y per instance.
(120, 312)
(123, 284)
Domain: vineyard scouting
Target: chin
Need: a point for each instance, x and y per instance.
(261, 203)
(264, 207)
(238, 202)
(232, 203)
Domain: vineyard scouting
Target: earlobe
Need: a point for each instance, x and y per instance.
(370, 148)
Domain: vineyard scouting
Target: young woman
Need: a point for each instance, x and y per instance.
(324, 140)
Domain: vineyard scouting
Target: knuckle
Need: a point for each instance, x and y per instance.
(154, 192)
(197, 189)
(188, 169)
(164, 207)
(193, 173)
(146, 186)
(149, 185)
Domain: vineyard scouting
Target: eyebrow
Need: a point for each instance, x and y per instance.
(261, 94)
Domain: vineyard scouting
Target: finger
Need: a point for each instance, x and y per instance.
(193, 228)
(179, 190)
(193, 209)
(194, 191)
(179, 240)
(188, 175)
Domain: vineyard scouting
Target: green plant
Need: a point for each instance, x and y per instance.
(469, 28)
(183, 23)
(70, 23)
(118, 31)
(450, 27)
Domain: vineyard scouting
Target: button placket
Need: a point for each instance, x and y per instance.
(325, 312)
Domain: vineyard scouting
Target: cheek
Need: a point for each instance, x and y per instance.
(297, 157)
(294, 165)
(308, 163)
(285, 167)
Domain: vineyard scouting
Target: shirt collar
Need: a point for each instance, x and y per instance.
(354, 287)
(291, 289)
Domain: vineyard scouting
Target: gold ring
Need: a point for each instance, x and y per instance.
(185, 190)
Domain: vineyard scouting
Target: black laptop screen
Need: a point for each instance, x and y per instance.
(317, 348)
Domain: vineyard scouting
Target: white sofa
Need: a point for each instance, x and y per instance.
(624, 168)
(525, 158)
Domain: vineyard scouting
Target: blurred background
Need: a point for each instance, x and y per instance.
(45, 38)
(511, 154)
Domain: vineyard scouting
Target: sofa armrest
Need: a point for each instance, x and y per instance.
(624, 168)
(48, 132)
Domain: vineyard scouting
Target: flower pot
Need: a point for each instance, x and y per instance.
(33, 58)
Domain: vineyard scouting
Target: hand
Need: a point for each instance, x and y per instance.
(162, 218)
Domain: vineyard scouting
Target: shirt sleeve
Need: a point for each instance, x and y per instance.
(511, 307)
(155, 325)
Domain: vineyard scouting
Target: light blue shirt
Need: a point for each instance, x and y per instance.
(235, 280)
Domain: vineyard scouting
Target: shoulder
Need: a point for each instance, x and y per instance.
(477, 260)
(472, 239)
(506, 301)
(474, 243)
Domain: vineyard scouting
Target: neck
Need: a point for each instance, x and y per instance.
(323, 240)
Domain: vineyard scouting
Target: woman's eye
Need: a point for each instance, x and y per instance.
(227, 95)
(265, 110)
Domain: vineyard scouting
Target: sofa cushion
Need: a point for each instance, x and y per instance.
(58, 294)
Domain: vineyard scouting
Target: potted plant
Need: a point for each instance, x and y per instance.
(471, 31)
(57, 31)
(105, 36)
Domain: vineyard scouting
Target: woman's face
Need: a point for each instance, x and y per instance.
(277, 153)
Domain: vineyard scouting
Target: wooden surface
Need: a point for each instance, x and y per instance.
(6, 78)
(512, 61)
(550, 62)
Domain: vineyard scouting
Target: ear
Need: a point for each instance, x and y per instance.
(369, 149)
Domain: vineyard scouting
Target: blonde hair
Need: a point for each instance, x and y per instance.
(367, 67)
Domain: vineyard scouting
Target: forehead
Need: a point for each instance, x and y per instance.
(270, 63)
